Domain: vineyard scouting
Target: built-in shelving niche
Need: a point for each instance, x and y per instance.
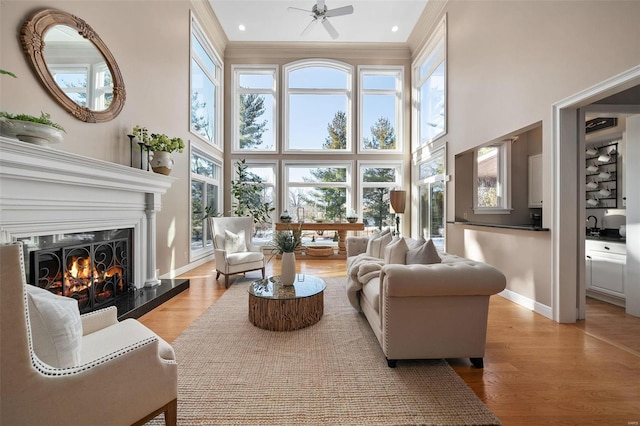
(602, 176)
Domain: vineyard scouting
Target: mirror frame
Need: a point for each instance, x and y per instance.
(32, 38)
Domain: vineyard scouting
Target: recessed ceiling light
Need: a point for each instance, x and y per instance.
(394, 28)
(241, 27)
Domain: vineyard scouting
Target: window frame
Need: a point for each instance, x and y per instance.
(206, 249)
(430, 152)
(398, 165)
(348, 92)
(286, 181)
(217, 79)
(273, 164)
(236, 71)
(385, 70)
(430, 48)
(503, 179)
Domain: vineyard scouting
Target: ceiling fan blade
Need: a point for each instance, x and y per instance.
(297, 9)
(330, 29)
(308, 27)
(339, 11)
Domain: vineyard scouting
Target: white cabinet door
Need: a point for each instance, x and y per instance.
(607, 273)
(535, 180)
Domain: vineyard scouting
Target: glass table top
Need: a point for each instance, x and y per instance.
(271, 288)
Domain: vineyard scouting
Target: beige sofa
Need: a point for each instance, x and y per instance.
(424, 311)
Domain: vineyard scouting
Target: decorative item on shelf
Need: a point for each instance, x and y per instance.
(320, 217)
(592, 168)
(398, 199)
(604, 175)
(352, 217)
(591, 152)
(285, 217)
(161, 145)
(604, 158)
(285, 243)
(592, 185)
(319, 251)
(592, 202)
(604, 192)
(300, 214)
(28, 128)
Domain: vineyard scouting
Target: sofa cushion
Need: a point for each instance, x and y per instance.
(425, 254)
(234, 243)
(414, 243)
(56, 328)
(371, 292)
(396, 251)
(377, 244)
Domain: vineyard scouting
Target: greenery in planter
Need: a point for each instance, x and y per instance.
(43, 119)
(246, 192)
(288, 240)
(158, 141)
(8, 73)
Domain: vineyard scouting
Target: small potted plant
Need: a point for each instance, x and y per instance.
(161, 145)
(285, 243)
(28, 128)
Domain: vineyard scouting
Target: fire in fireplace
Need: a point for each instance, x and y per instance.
(94, 268)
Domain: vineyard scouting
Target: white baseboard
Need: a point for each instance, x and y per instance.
(530, 304)
(187, 268)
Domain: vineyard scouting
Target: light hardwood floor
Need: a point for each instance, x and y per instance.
(537, 372)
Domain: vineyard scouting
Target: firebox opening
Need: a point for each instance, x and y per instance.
(94, 268)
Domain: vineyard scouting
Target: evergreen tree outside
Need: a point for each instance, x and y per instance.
(251, 129)
(383, 135)
(199, 121)
(249, 196)
(337, 130)
(375, 206)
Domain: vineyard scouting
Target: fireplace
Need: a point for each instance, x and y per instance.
(46, 193)
(92, 267)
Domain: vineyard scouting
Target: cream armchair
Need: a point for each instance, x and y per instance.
(124, 374)
(234, 253)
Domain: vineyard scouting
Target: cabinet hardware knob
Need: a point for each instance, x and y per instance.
(606, 248)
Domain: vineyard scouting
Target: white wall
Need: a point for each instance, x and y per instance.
(508, 63)
(632, 273)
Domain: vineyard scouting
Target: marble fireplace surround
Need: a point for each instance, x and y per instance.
(45, 191)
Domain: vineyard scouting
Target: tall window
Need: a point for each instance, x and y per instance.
(491, 172)
(206, 88)
(380, 112)
(429, 178)
(318, 190)
(205, 198)
(254, 108)
(262, 175)
(430, 83)
(318, 106)
(376, 180)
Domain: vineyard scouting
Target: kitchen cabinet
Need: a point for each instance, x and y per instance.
(535, 181)
(605, 269)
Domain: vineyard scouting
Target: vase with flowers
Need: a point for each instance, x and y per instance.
(162, 146)
(285, 243)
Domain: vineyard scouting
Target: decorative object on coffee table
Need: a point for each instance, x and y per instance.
(285, 243)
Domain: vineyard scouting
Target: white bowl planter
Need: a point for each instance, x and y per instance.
(26, 131)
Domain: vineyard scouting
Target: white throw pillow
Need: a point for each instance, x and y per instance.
(373, 243)
(385, 240)
(424, 255)
(395, 252)
(234, 243)
(56, 328)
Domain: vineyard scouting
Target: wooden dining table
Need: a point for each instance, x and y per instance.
(340, 227)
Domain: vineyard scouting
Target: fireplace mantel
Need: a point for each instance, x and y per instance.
(46, 191)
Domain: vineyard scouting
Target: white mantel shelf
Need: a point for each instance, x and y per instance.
(47, 191)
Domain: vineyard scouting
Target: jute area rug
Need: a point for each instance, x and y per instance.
(332, 373)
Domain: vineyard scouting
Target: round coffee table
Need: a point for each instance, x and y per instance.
(276, 307)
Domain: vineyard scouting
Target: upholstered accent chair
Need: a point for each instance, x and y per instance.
(234, 252)
(98, 370)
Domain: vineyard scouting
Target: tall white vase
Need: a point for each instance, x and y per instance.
(288, 269)
(162, 162)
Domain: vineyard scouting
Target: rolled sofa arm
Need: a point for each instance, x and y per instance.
(464, 278)
(356, 245)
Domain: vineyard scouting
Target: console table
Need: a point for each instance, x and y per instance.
(340, 227)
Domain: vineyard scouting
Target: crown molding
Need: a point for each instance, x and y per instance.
(297, 50)
(430, 17)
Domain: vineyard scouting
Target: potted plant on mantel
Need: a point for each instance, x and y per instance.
(162, 146)
(29, 128)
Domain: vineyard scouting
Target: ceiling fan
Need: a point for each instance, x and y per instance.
(320, 13)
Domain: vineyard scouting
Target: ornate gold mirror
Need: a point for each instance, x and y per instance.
(74, 65)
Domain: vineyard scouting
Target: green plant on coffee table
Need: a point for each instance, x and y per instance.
(158, 141)
(43, 119)
(286, 241)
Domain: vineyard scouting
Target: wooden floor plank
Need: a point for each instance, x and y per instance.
(537, 372)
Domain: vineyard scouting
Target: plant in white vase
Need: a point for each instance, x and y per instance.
(161, 145)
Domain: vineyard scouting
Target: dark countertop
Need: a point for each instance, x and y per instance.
(525, 227)
(612, 239)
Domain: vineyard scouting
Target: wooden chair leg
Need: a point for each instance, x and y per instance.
(226, 281)
(171, 415)
(217, 275)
